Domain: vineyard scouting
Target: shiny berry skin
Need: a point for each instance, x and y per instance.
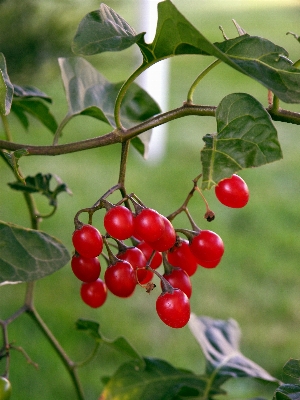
(147, 250)
(148, 225)
(181, 256)
(232, 192)
(168, 238)
(94, 293)
(179, 279)
(207, 246)
(120, 279)
(5, 388)
(148, 277)
(87, 241)
(119, 222)
(85, 269)
(173, 308)
(136, 259)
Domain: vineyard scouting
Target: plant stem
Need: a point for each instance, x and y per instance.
(6, 128)
(199, 78)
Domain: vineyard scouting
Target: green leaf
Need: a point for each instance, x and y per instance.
(159, 380)
(120, 344)
(35, 108)
(30, 91)
(12, 159)
(246, 138)
(27, 255)
(292, 368)
(41, 184)
(219, 341)
(287, 392)
(89, 93)
(103, 30)
(6, 88)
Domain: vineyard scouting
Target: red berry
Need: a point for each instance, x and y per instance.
(94, 293)
(148, 277)
(119, 222)
(148, 225)
(232, 192)
(173, 308)
(136, 259)
(181, 256)
(179, 279)
(87, 241)
(147, 250)
(168, 238)
(85, 269)
(120, 279)
(207, 246)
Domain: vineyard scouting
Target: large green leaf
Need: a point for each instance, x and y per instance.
(292, 368)
(27, 255)
(246, 138)
(6, 88)
(27, 91)
(89, 93)
(120, 344)
(158, 380)
(219, 341)
(103, 30)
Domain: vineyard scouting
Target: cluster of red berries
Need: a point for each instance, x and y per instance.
(155, 242)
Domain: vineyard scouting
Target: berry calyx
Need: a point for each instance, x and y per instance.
(94, 293)
(173, 308)
(87, 241)
(120, 279)
(119, 222)
(148, 225)
(85, 269)
(232, 192)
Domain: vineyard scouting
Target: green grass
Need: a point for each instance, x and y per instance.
(257, 282)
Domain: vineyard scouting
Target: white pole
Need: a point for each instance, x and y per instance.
(154, 80)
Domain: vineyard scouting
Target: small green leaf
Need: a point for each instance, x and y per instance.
(120, 344)
(159, 380)
(30, 91)
(13, 160)
(6, 88)
(292, 368)
(219, 341)
(246, 138)
(41, 184)
(287, 392)
(27, 255)
(89, 93)
(103, 30)
(35, 108)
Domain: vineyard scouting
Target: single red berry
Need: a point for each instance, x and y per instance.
(148, 225)
(87, 241)
(232, 192)
(168, 238)
(94, 293)
(136, 259)
(207, 246)
(120, 279)
(179, 279)
(85, 269)
(147, 250)
(209, 264)
(181, 256)
(148, 278)
(173, 308)
(119, 222)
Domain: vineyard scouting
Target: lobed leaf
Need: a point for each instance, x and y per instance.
(246, 138)
(103, 30)
(41, 184)
(6, 88)
(159, 380)
(27, 255)
(89, 93)
(219, 341)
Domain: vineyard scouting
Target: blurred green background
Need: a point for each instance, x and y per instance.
(257, 282)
